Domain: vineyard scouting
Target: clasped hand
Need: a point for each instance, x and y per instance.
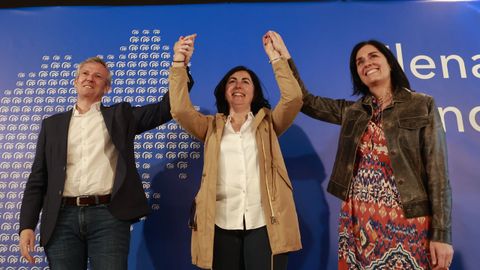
(272, 43)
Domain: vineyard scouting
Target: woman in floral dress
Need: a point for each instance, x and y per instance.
(390, 169)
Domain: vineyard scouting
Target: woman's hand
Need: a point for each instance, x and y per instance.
(278, 44)
(442, 255)
(183, 49)
(272, 54)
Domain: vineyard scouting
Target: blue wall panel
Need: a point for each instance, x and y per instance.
(437, 42)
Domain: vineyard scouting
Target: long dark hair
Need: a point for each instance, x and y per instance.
(398, 77)
(259, 101)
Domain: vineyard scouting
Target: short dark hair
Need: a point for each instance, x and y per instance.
(398, 77)
(259, 101)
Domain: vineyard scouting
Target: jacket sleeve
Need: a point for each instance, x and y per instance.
(290, 102)
(182, 109)
(436, 166)
(320, 108)
(152, 115)
(36, 186)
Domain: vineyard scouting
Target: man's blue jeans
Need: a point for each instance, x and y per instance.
(90, 234)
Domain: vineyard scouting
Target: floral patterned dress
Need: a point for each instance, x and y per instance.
(373, 231)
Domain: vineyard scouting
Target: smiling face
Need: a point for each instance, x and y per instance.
(92, 81)
(372, 66)
(239, 91)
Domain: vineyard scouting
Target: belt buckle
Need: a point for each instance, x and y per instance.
(78, 200)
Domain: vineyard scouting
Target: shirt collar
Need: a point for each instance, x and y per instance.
(250, 116)
(245, 125)
(95, 107)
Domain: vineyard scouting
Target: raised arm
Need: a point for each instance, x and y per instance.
(152, 115)
(320, 108)
(182, 109)
(290, 102)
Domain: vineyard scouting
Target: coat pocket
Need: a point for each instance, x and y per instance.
(283, 174)
(413, 122)
(409, 132)
(277, 172)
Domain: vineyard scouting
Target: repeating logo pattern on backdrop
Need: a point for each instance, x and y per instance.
(140, 76)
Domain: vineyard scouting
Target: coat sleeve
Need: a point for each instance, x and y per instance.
(182, 109)
(317, 107)
(36, 186)
(436, 166)
(290, 102)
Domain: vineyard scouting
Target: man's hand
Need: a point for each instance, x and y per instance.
(27, 244)
(183, 49)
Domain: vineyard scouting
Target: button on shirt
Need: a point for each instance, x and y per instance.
(238, 185)
(91, 155)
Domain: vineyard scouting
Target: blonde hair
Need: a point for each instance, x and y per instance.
(97, 60)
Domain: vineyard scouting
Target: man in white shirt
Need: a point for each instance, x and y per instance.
(84, 178)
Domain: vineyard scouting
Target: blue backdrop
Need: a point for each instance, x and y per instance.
(437, 43)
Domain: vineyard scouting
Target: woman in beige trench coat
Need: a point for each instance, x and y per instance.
(245, 214)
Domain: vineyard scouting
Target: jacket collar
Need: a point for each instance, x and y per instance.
(108, 118)
(220, 120)
(400, 95)
(258, 118)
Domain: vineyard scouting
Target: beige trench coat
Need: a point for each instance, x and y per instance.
(276, 190)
